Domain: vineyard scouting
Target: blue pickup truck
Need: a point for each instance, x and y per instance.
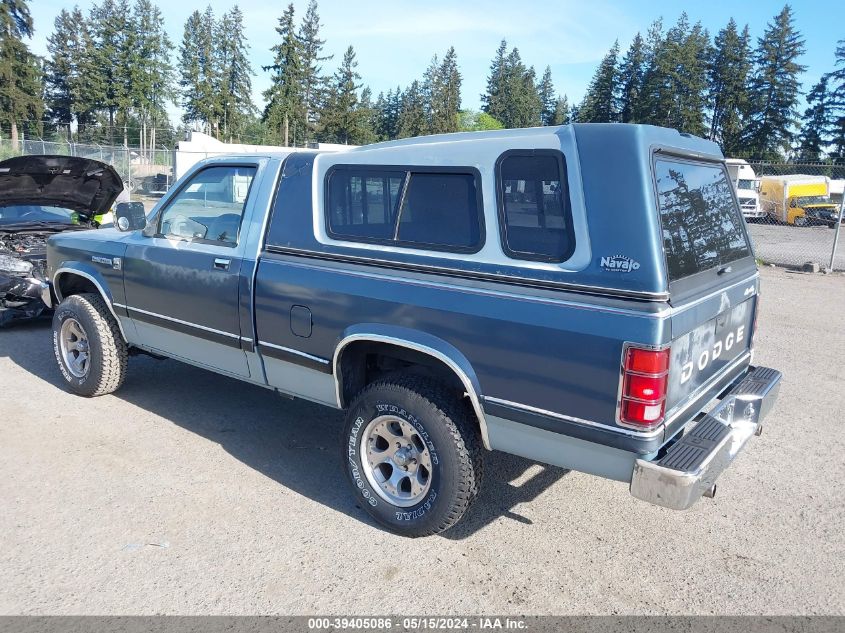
(585, 296)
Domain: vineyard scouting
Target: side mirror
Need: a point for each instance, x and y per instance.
(130, 216)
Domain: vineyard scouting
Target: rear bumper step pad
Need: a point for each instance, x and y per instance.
(689, 468)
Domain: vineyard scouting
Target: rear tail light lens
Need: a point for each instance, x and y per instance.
(645, 378)
(647, 361)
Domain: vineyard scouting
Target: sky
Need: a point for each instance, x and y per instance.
(395, 40)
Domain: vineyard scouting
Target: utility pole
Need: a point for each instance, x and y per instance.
(836, 236)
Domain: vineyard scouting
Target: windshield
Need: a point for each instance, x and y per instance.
(19, 214)
(803, 201)
(745, 184)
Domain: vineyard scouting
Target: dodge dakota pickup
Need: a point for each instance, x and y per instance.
(453, 294)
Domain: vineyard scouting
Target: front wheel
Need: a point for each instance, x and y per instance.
(89, 348)
(413, 455)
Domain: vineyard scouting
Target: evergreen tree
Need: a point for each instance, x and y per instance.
(285, 111)
(89, 79)
(515, 100)
(190, 69)
(562, 112)
(369, 117)
(412, 120)
(815, 130)
(646, 107)
(675, 81)
(430, 87)
(448, 99)
(599, 104)
(235, 71)
(311, 57)
(342, 120)
(492, 99)
(61, 69)
(774, 89)
(836, 79)
(20, 71)
(210, 80)
(112, 59)
(548, 99)
(151, 73)
(631, 73)
(199, 76)
(690, 82)
(388, 108)
(442, 93)
(529, 106)
(728, 77)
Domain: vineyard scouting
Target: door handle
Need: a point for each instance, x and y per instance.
(221, 264)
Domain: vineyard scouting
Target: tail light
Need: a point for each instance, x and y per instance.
(645, 377)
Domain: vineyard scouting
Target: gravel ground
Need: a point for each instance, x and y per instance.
(794, 246)
(190, 493)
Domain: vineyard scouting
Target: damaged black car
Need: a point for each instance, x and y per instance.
(39, 197)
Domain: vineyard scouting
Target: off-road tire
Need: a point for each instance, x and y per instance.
(447, 424)
(108, 354)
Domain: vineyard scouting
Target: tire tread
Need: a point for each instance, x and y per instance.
(457, 417)
(113, 349)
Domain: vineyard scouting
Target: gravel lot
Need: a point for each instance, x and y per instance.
(190, 493)
(794, 246)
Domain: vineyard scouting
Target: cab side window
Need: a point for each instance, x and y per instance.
(210, 206)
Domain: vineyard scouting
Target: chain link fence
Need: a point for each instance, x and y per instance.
(799, 205)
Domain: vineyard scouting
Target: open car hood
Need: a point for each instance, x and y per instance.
(80, 184)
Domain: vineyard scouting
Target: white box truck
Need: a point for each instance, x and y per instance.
(746, 184)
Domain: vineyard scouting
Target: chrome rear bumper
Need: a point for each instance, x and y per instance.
(690, 467)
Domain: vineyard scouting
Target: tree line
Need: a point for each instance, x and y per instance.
(111, 72)
(741, 94)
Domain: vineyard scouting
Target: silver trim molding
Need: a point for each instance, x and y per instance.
(180, 321)
(524, 407)
(290, 350)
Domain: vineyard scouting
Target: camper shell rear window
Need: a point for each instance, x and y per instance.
(701, 222)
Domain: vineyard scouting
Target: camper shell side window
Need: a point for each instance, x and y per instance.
(535, 212)
(432, 208)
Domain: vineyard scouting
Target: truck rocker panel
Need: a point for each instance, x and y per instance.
(453, 294)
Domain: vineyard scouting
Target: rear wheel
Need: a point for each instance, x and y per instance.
(89, 348)
(413, 454)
